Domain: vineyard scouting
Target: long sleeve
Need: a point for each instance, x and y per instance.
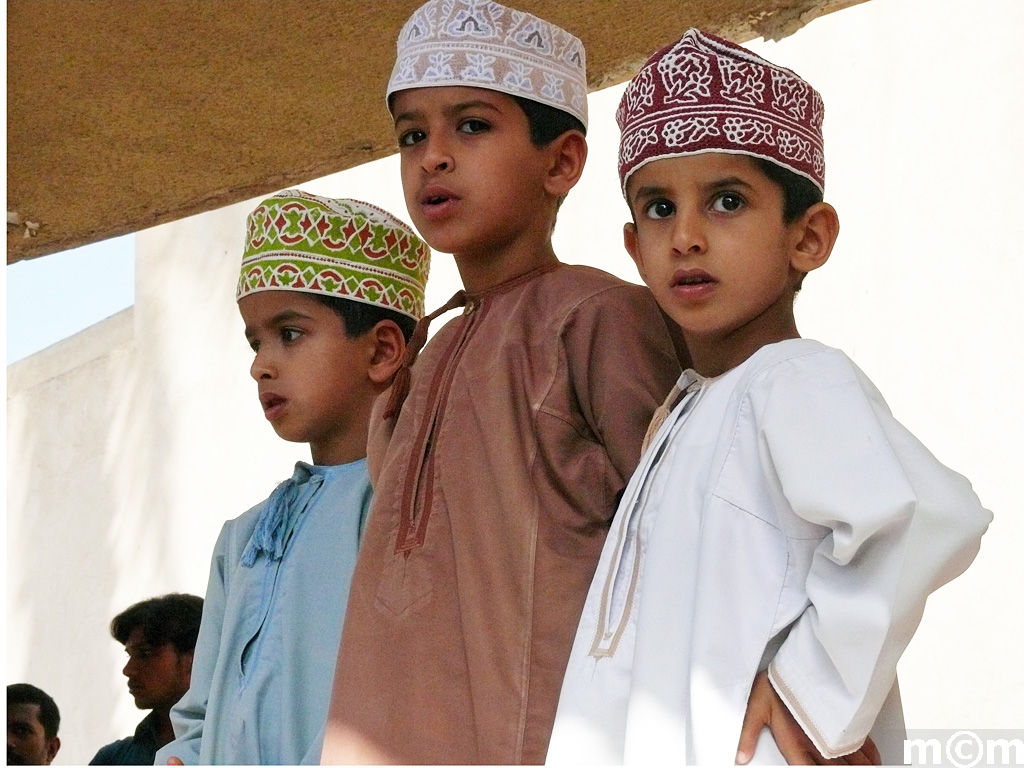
(901, 525)
(189, 714)
(622, 363)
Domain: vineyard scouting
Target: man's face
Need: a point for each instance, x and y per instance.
(26, 740)
(157, 674)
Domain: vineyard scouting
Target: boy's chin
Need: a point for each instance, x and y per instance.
(437, 239)
(290, 436)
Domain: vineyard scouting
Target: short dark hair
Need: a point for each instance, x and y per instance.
(798, 192)
(172, 618)
(49, 715)
(360, 317)
(547, 123)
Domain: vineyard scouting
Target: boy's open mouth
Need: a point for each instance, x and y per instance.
(435, 195)
(269, 400)
(691, 277)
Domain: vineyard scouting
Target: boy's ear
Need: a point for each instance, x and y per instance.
(387, 353)
(629, 240)
(817, 231)
(568, 155)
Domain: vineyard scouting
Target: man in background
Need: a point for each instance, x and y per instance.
(32, 723)
(159, 636)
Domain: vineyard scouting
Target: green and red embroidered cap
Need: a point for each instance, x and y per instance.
(296, 241)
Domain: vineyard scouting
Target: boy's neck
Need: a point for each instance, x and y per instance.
(339, 452)
(713, 356)
(481, 271)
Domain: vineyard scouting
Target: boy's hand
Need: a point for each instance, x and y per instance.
(765, 707)
(174, 760)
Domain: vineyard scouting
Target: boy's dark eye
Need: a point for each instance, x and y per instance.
(409, 138)
(728, 202)
(290, 334)
(659, 209)
(254, 345)
(473, 125)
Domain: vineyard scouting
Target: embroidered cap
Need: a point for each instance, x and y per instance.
(705, 94)
(296, 241)
(484, 44)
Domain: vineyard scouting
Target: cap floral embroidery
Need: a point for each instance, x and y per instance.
(705, 94)
(484, 44)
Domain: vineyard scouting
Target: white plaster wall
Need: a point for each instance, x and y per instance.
(923, 116)
(129, 444)
(121, 471)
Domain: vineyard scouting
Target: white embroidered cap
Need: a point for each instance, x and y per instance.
(484, 44)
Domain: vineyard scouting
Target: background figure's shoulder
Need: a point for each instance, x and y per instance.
(110, 754)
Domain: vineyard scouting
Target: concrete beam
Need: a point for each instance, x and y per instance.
(124, 114)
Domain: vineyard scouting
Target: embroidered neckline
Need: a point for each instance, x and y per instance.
(622, 577)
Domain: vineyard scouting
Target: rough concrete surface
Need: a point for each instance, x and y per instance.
(123, 115)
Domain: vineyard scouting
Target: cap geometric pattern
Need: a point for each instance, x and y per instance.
(296, 241)
(484, 44)
(705, 94)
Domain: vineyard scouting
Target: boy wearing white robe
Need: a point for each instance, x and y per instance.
(771, 556)
(329, 291)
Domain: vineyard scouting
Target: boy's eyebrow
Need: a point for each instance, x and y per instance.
(451, 110)
(652, 190)
(728, 181)
(649, 190)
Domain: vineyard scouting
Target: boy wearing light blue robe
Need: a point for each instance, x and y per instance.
(330, 292)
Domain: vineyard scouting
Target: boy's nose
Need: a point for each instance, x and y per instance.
(437, 157)
(261, 367)
(688, 235)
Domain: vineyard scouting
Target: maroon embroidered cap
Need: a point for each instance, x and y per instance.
(705, 94)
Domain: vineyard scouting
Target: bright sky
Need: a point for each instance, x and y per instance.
(53, 297)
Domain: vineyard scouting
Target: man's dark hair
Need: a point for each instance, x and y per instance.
(49, 715)
(170, 619)
(547, 123)
(359, 317)
(798, 192)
